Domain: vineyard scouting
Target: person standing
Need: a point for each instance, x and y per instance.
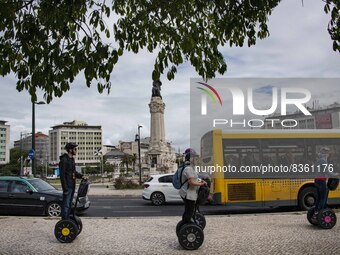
(190, 185)
(320, 180)
(68, 175)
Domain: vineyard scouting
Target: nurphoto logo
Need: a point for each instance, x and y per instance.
(239, 100)
(244, 100)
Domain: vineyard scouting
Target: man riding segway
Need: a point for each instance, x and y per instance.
(70, 225)
(190, 229)
(325, 180)
(189, 189)
(68, 175)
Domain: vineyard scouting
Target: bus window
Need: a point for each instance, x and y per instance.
(282, 151)
(241, 152)
(315, 145)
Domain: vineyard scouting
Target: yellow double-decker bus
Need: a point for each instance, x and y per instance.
(249, 150)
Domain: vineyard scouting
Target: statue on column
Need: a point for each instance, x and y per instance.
(156, 89)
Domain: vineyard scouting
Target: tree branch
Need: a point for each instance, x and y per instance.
(22, 7)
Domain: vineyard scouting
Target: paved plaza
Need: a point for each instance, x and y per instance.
(279, 233)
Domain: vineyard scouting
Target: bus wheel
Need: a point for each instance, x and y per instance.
(307, 198)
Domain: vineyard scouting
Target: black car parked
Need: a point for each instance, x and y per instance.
(32, 196)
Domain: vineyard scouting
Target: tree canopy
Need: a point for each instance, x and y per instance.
(13, 167)
(46, 43)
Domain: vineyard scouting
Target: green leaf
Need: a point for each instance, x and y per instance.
(155, 75)
(46, 44)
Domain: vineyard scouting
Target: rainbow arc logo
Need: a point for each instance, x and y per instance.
(212, 93)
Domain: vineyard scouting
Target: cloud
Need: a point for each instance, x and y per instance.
(265, 90)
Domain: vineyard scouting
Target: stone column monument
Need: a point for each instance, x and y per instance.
(159, 153)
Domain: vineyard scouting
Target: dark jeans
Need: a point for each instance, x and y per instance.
(67, 204)
(189, 210)
(321, 188)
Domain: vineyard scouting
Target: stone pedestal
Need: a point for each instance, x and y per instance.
(160, 156)
(157, 132)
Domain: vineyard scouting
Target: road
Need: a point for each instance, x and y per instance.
(136, 207)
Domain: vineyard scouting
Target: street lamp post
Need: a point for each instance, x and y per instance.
(139, 156)
(102, 158)
(33, 137)
(33, 134)
(21, 172)
(100, 155)
(46, 162)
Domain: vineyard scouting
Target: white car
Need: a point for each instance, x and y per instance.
(54, 176)
(159, 189)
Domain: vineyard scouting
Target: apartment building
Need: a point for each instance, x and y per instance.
(42, 147)
(88, 137)
(4, 142)
(320, 118)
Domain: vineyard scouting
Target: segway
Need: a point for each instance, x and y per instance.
(325, 218)
(198, 218)
(68, 229)
(312, 219)
(191, 235)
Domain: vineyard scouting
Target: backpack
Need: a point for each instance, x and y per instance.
(332, 183)
(203, 194)
(177, 178)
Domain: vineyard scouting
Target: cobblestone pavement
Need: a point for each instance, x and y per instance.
(286, 233)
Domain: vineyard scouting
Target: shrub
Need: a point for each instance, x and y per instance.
(123, 183)
(119, 183)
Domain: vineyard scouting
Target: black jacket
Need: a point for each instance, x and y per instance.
(68, 173)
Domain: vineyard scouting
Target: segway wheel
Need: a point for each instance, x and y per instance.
(327, 219)
(66, 231)
(191, 236)
(77, 220)
(200, 220)
(178, 227)
(312, 220)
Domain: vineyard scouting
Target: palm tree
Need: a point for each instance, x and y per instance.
(126, 160)
(133, 161)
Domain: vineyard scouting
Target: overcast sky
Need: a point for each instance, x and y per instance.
(299, 46)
